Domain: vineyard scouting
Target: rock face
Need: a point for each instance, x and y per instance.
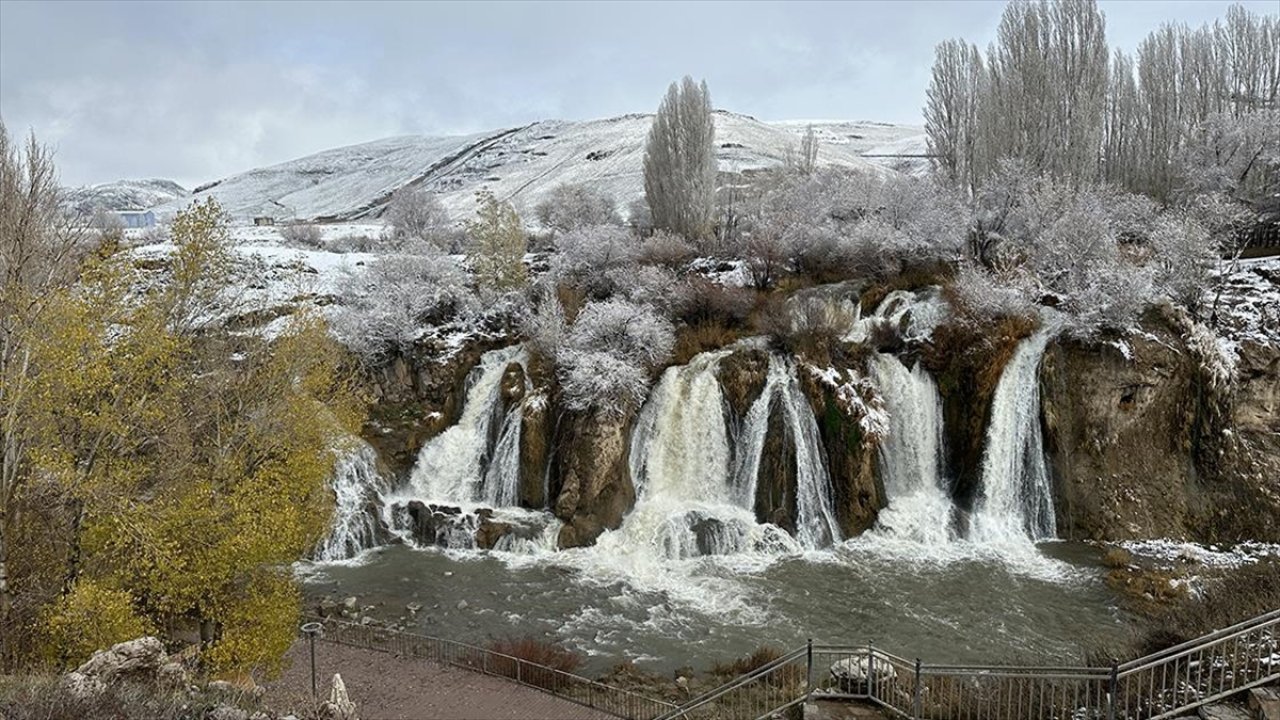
(857, 492)
(418, 394)
(1140, 446)
(591, 475)
(1117, 432)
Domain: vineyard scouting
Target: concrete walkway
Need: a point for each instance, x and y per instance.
(386, 687)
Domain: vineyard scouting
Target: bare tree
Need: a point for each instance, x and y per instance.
(38, 253)
(680, 161)
(416, 214)
(574, 206)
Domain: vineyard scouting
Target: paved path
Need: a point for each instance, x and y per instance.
(386, 687)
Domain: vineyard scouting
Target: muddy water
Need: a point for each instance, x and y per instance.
(961, 603)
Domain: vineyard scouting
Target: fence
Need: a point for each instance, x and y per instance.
(1161, 685)
(568, 686)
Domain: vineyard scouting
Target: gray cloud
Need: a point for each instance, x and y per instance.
(195, 91)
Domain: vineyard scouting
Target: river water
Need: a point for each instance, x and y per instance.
(960, 603)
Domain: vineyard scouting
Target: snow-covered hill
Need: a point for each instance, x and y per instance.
(897, 147)
(125, 195)
(521, 165)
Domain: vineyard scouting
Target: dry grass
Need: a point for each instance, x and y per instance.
(45, 697)
(1117, 558)
(691, 340)
(760, 657)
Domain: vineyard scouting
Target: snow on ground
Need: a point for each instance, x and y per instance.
(1250, 305)
(864, 137)
(521, 165)
(1174, 553)
(124, 195)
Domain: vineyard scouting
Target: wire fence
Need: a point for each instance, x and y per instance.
(567, 686)
(1162, 685)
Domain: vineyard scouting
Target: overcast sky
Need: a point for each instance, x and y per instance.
(195, 91)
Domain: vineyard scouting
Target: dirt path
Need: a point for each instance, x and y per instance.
(386, 687)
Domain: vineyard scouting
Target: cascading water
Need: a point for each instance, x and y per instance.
(357, 519)
(1015, 503)
(679, 461)
(911, 455)
(815, 517)
(476, 461)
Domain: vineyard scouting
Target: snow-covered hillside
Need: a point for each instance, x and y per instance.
(885, 144)
(521, 165)
(125, 195)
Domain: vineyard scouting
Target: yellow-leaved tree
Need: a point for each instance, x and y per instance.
(497, 240)
(161, 472)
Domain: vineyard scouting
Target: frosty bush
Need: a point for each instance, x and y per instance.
(574, 206)
(982, 295)
(609, 353)
(667, 249)
(304, 234)
(585, 258)
(386, 306)
(416, 214)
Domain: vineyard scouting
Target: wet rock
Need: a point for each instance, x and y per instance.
(462, 605)
(595, 480)
(414, 608)
(328, 607)
(349, 604)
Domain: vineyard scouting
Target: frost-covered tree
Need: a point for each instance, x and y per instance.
(680, 161)
(386, 306)
(1235, 155)
(417, 215)
(586, 258)
(574, 206)
(497, 242)
(951, 111)
(611, 350)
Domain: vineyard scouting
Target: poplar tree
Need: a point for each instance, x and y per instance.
(680, 161)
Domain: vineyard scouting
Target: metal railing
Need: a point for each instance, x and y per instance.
(1161, 685)
(567, 686)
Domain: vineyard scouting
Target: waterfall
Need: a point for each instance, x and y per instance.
(478, 459)
(1015, 502)
(680, 464)
(815, 517)
(357, 488)
(911, 455)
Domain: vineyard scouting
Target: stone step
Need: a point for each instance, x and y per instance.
(1265, 702)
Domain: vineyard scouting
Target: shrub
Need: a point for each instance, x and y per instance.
(810, 327)
(1117, 558)
(698, 300)
(416, 214)
(585, 258)
(90, 618)
(757, 659)
(48, 697)
(575, 206)
(304, 234)
(539, 653)
(666, 249)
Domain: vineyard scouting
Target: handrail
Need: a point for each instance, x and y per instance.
(632, 702)
(1106, 691)
(1202, 641)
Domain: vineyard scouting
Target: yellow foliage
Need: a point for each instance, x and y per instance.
(200, 460)
(89, 618)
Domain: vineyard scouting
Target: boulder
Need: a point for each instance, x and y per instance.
(1265, 702)
(1224, 711)
(852, 674)
(227, 712)
(135, 659)
(82, 686)
(594, 476)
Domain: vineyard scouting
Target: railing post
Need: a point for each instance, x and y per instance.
(915, 694)
(808, 692)
(1113, 687)
(871, 671)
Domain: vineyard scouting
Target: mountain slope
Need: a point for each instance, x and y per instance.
(520, 164)
(124, 195)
